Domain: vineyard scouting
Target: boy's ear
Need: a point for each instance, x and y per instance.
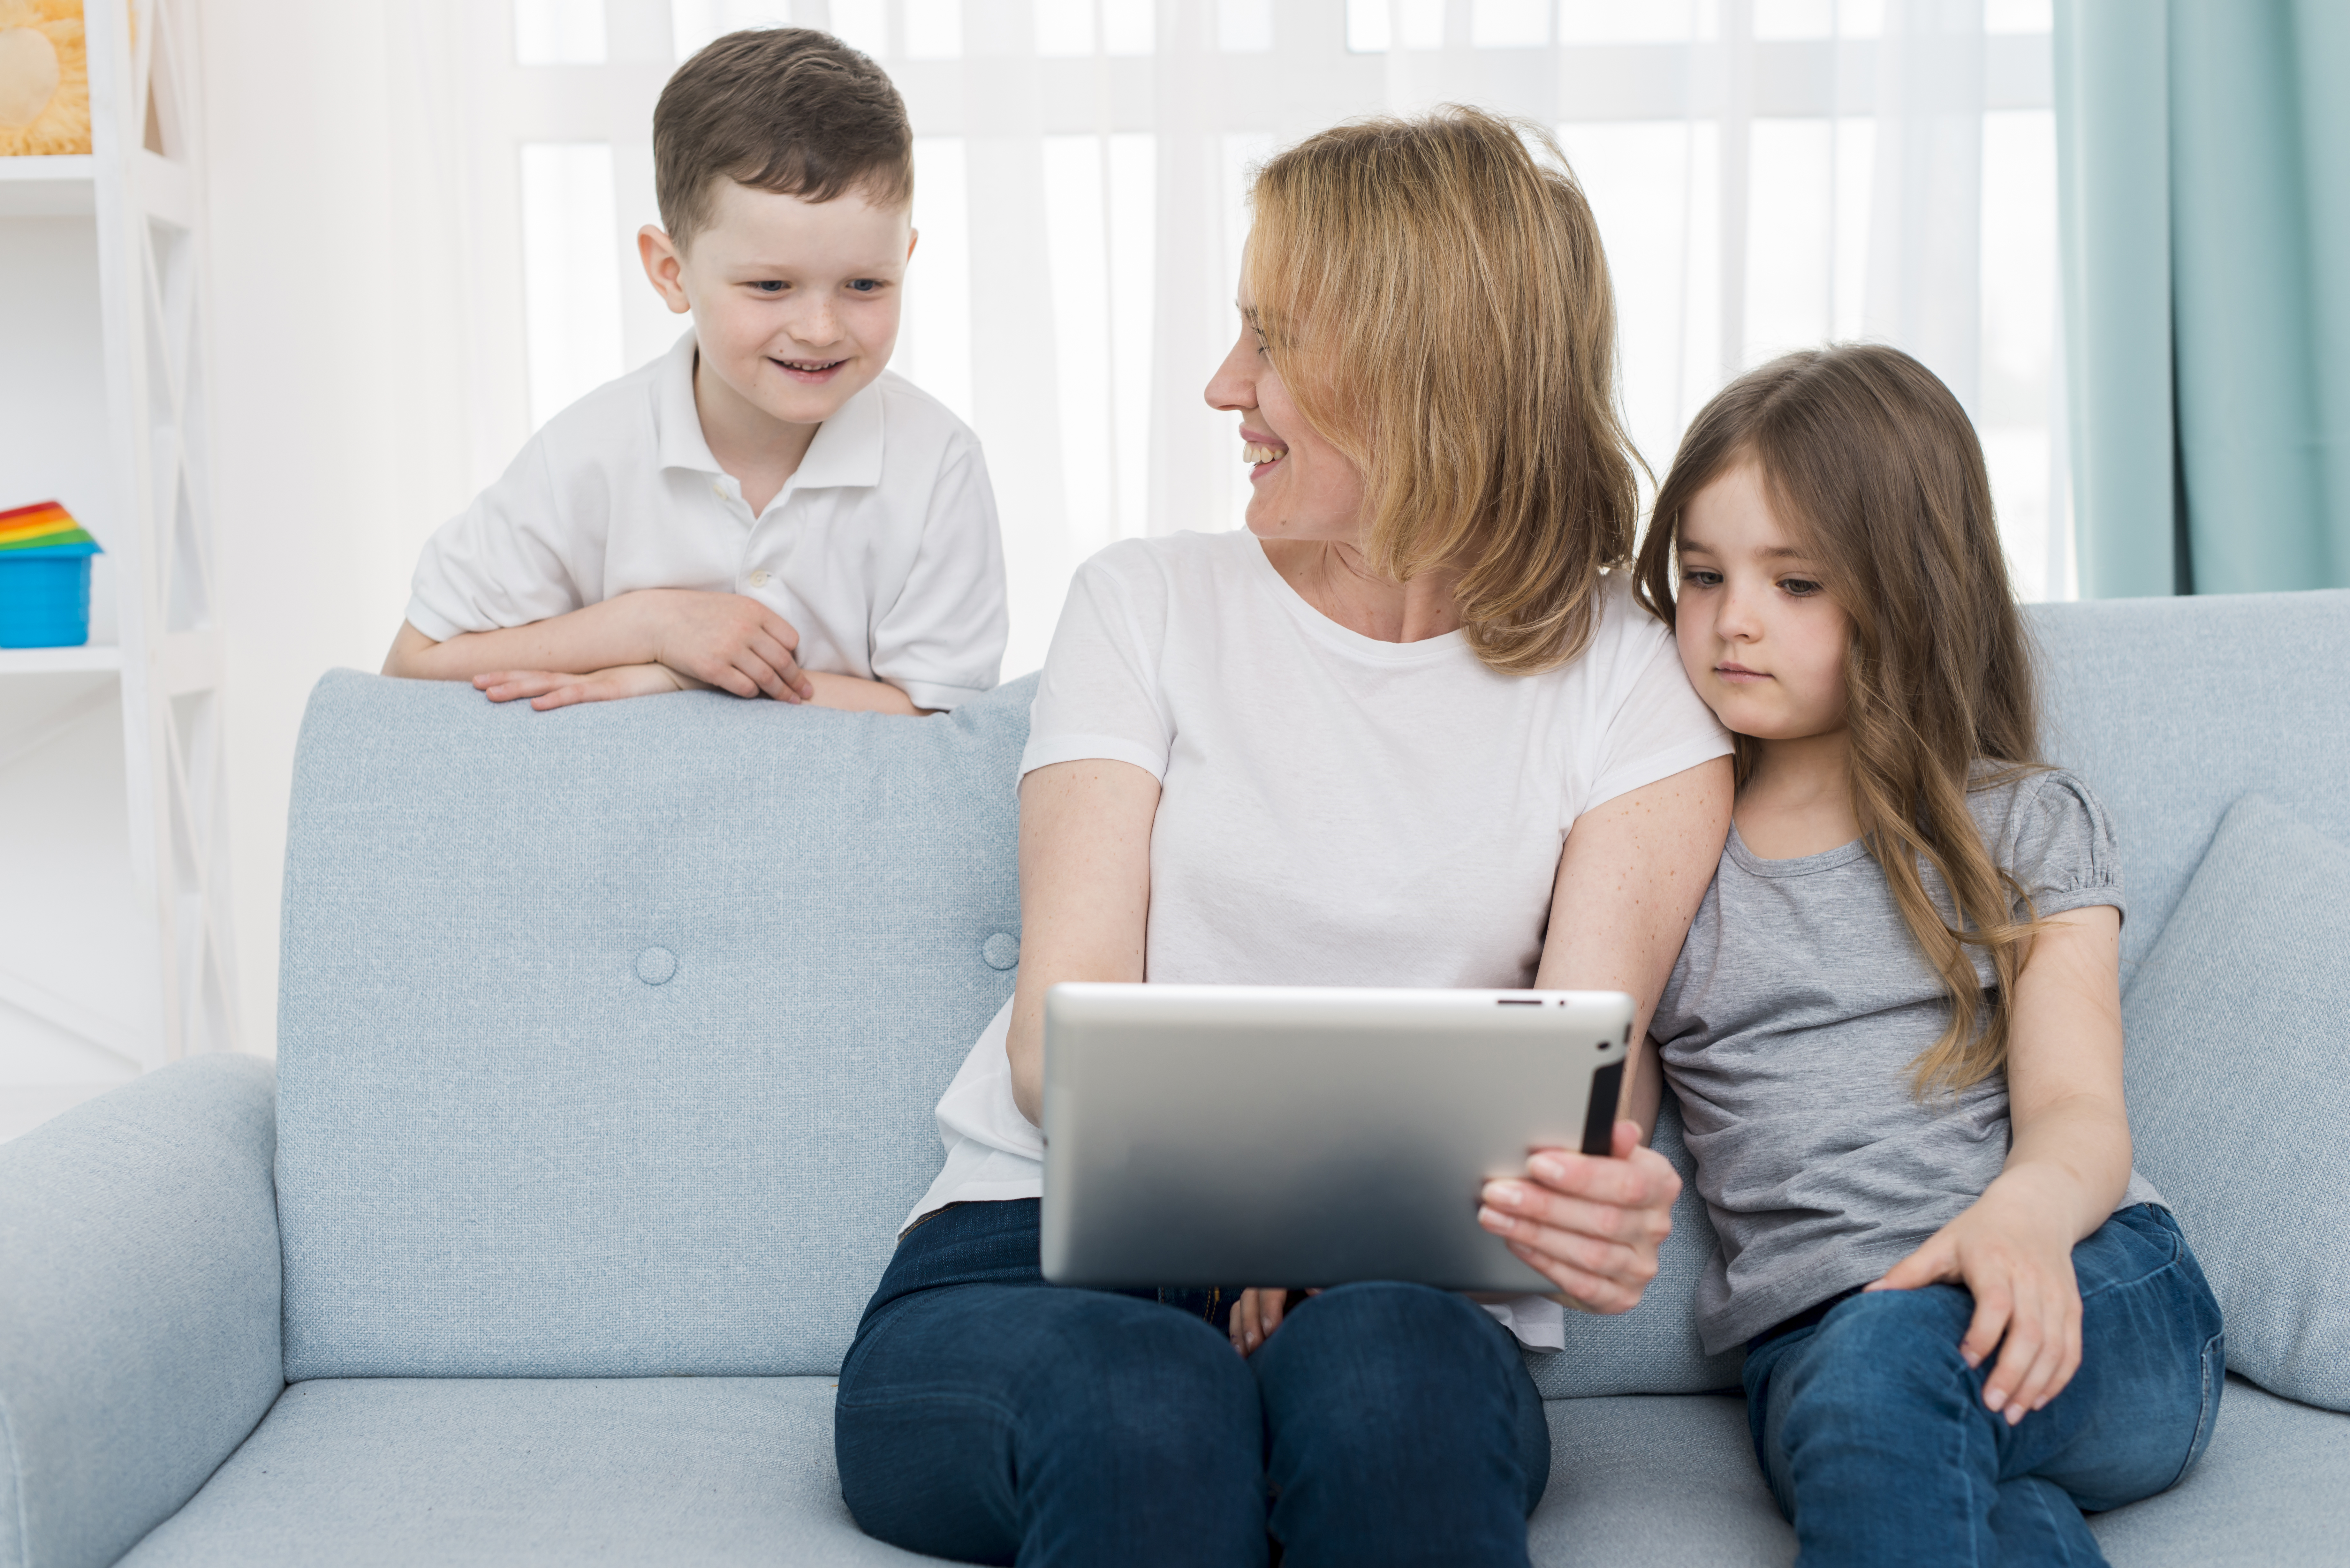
(913, 238)
(664, 265)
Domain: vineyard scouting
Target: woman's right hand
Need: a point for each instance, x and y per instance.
(1591, 1227)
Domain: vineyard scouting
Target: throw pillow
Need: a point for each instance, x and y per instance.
(2238, 1030)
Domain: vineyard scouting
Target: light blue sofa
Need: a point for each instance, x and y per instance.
(609, 1044)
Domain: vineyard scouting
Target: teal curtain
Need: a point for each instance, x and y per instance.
(2203, 167)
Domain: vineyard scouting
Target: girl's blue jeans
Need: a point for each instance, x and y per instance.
(987, 1416)
(1873, 1432)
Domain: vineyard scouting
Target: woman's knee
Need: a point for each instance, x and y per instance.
(1348, 1357)
(1437, 1334)
(964, 1425)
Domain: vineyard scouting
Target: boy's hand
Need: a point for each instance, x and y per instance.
(2016, 1257)
(555, 689)
(727, 640)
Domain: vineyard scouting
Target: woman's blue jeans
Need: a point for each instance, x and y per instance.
(987, 1416)
(1874, 1435)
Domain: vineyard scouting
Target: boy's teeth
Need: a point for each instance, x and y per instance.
(1253, 453)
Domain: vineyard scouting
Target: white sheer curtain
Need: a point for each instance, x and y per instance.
(1768, 173)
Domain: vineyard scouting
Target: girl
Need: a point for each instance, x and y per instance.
(1896, 1026)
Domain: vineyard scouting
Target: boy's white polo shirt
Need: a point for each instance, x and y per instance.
(882, 550)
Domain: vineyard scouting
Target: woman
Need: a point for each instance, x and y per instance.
(1399, 731)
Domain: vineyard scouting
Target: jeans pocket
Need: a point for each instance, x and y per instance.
(2215, 1379)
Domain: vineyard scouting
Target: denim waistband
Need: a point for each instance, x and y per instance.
(1804, 1319)
(996, 1243)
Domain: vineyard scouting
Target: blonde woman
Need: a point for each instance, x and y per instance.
(1406, 729)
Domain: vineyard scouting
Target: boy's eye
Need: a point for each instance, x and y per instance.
(769, 285)
(865, 285)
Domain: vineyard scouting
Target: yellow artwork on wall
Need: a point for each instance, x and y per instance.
(43, 78)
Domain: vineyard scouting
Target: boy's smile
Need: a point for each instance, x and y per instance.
(795, 310)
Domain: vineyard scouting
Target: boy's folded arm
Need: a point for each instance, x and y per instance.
(855, 694)
(596, 637)
(726, 641)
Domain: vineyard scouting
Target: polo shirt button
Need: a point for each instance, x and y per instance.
(758, 579)
(717, 489)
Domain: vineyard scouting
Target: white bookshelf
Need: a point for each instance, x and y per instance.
(115, 953)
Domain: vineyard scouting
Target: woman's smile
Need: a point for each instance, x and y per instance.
(1259, 451)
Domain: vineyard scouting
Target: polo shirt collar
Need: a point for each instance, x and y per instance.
(846, 448)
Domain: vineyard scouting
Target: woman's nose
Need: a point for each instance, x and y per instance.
(1234, 385)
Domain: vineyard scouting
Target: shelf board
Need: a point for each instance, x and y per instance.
(92, 657)
(61, 186)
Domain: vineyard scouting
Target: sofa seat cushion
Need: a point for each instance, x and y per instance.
(513, 1472)
(1673, 1481)
(692, 1470)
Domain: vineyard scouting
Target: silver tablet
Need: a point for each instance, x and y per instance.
(1301, 1136)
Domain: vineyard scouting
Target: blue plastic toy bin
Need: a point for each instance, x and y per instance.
(44, 596)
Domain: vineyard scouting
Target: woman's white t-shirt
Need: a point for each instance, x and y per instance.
(1335, 810)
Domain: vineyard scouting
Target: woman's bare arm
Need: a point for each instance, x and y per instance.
(1630, 878)
(1084, 896)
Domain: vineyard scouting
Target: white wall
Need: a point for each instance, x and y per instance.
(340, 379)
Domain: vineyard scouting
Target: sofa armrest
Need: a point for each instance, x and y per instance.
(139, 1324)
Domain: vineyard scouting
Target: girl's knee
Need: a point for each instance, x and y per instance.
(1881, 1348)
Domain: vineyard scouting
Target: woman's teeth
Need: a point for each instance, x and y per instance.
(1253, 453)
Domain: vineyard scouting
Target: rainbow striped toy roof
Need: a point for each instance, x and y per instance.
(43, 525)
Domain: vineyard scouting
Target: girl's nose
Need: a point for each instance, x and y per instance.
(1736, 621)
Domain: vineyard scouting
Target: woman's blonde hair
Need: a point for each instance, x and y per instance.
(1434, 294)
(1871, 463)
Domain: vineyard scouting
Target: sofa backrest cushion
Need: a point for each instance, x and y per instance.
(2239, 1074)
(1653, 1348)
(610, 1037)
(2173, 710)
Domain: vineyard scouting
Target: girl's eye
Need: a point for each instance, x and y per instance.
(1697, 576)
(1800, 587)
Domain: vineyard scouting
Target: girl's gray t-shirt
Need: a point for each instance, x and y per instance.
(1788, 1028)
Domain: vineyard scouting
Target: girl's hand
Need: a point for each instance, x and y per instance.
(2016, 1256)
(1257, 1314)
(1591, 1227)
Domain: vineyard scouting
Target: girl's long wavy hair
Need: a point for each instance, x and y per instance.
(1869, 461)
(1434, 294)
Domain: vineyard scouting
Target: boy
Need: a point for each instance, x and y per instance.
(762, 510)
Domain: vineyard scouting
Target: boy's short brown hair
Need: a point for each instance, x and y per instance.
(788, 110)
